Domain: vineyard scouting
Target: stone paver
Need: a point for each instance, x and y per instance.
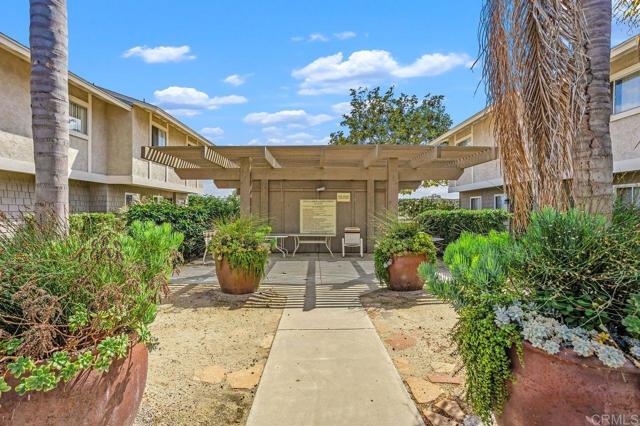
(327, 365)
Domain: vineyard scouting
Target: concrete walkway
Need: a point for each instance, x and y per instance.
(327, 365)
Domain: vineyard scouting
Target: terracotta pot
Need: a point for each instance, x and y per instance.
(569, 390)
(235, 281)
(403, 272)
(92, 398)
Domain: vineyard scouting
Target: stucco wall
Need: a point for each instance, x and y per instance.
(15, 103)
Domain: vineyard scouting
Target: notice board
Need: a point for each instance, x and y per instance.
(318, 217)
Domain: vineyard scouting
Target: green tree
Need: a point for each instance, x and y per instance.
(384, 118)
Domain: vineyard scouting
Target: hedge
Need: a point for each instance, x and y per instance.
(449, 224)
(88, 223)
(411, 207)
(191, 220)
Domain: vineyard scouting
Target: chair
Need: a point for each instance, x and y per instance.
(352, 238)
(208, 236)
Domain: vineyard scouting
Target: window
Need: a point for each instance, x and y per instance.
(130, 198)
(465, 142)
(78, 118)
(159, 199)
(500, 201)
(629, 194)
(475, 203)
(626, 93)
(158, 136)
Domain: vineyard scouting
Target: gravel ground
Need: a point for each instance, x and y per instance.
(212, 348)
(415, 330)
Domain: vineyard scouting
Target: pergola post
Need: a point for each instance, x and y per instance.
(264, 198)
(393, 186)
(245, 186)
(371, 197)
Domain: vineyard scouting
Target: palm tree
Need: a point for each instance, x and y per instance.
(593, 160)
(546, 63)
(50, 109)
(628, 11)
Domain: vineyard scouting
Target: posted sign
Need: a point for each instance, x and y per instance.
(318, 217)
(343, 197)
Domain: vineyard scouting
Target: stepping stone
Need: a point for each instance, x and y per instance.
(403, 365)
(439, 420)
(423, 391)
(213, 374)
(400, 341)
(451, 409)
(245, 379)
(444, 378)
(443, 367)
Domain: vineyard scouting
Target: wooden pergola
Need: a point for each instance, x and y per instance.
(379, 171)
(401, 166)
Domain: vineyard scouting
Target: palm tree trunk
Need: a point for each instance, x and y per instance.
(50, 109)
(593, 161)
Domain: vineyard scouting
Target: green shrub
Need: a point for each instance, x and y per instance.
(90, 223)
(411, 207)
(77, 302)
(583, 269)
(191, 220)
(243, 243)
(479, 267)
(399, 238)
(450, 224)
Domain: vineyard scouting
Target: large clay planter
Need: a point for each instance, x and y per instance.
(569, 390)
(235, 281)
(403, 272)
(91, 399)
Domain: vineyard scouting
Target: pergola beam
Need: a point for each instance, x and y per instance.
(371, 158)
(327, 173)
(426, 157)
(480, 157)
(270, 159)
(148, 153)
(218, 159)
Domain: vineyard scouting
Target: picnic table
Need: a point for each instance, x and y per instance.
(312, 239)
(279, 239)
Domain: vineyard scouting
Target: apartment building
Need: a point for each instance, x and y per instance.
(481, 186)
(107, 131)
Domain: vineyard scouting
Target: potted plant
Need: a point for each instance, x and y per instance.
(241, 251)
(548, 327)
(398, 252)
(73, 321)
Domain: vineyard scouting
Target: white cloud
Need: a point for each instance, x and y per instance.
(318, 37)
(160, 54)
(297, 116)
(183, 112)
(189, 101)
(214, 132)
(299, 138)
(334, 74)
(344, 35)
(341, 108)
(235, 80)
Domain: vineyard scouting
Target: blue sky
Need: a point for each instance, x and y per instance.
(271, 72)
